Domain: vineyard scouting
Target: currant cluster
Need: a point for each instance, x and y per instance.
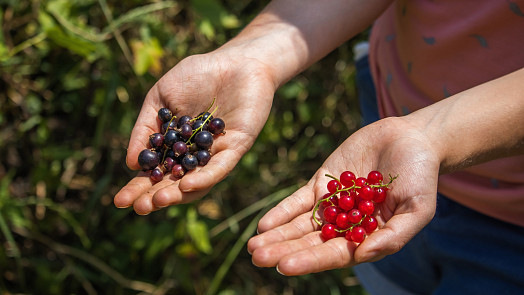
(181, 145)
(347, 209)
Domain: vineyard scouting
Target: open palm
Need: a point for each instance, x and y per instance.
(290, 238)
(243, 94)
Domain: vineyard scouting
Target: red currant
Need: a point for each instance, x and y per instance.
(333, 186)
(366, 207)
(370, 224)
(347, 178)
(365, 192)
(357, 234)
(379, 194)
(375, 177)
(330, 214)
(343, 220)
(328, 231)
(360, 181)
(346, 203)
(355, 216)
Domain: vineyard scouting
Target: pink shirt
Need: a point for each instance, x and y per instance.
(424, 51)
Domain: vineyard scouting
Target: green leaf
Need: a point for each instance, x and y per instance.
(147, 56)
(198, 232)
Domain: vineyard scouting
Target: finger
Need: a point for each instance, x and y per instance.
(299, 202)
(146, 124)
(298, 227)
(269, 255)
(131, 191)
(321, 256)
(172, 195)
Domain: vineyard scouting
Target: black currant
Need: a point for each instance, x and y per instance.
(184, 120)
(168, 164)
(199, 125)
(156, 140)
(179, 148)
(164, 114)
(157, 175)
(171, 137)
(216, 126)
(170, 125)
(204, 139)
(178, 170)
(189, 162)
(186, 131)
(204, 116)
(148, 159)
(203, 157)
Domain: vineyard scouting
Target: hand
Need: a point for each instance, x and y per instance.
(289, 238)
(243, 90)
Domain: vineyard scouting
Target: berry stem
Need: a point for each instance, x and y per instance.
(331, 176)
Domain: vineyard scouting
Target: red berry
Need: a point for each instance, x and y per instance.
(328, 231)
(355, 216)
(346, 203)
(379, 194)
(365, 192)
(333, 186)
(360, 181)
(343, 220)
(156, 175)
(357, 234)
(366, 207)
(330, 214)
(370, 224)
(375, 177)
(347, 178)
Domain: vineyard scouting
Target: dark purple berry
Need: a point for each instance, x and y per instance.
(171, 137)
(156, 175)
(193, 148)
(204, 139)
(164, 114)
(156, 140)
(178, 171)
(148, 159)
(168, 164)
(179, 148)
(189, 162)
(199, 125)
(203, 157)
(169, 125)
(184, 120)
(204, 116)
(216, 126)
(186, 131)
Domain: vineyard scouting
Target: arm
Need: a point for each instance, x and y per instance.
(471, 127)
(243, 75)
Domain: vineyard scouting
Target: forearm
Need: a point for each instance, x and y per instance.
(290, 35)
(480, 124)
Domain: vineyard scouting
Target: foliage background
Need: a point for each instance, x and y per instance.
(73, 74)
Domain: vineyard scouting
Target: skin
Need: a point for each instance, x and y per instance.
(465, 129)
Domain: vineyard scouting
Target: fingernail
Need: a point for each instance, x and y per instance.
(278, 270)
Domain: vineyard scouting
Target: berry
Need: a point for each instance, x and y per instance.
(375, 177)
(178, 171)
(347, 178)
(333, 185)
(171, 137)
(359, 182)
(204, 139)
(199, 125)
(216, 126)
(355, 216)
(203, 157)
(179, 148)
(184, 120)
(342, 220)
(164, 114)
(366, 207)
(156, 140)
(330, 214)
(148, 159)
(156, 175)
(186, 131)
(328, 231)
(205, 116)
(357, 234)
(370, 224)
(379, 194)
(346, 202)
(168, 164)
(189, 162)
(169, 125)
(365, 192)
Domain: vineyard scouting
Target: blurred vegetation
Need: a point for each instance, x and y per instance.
(73, 74)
